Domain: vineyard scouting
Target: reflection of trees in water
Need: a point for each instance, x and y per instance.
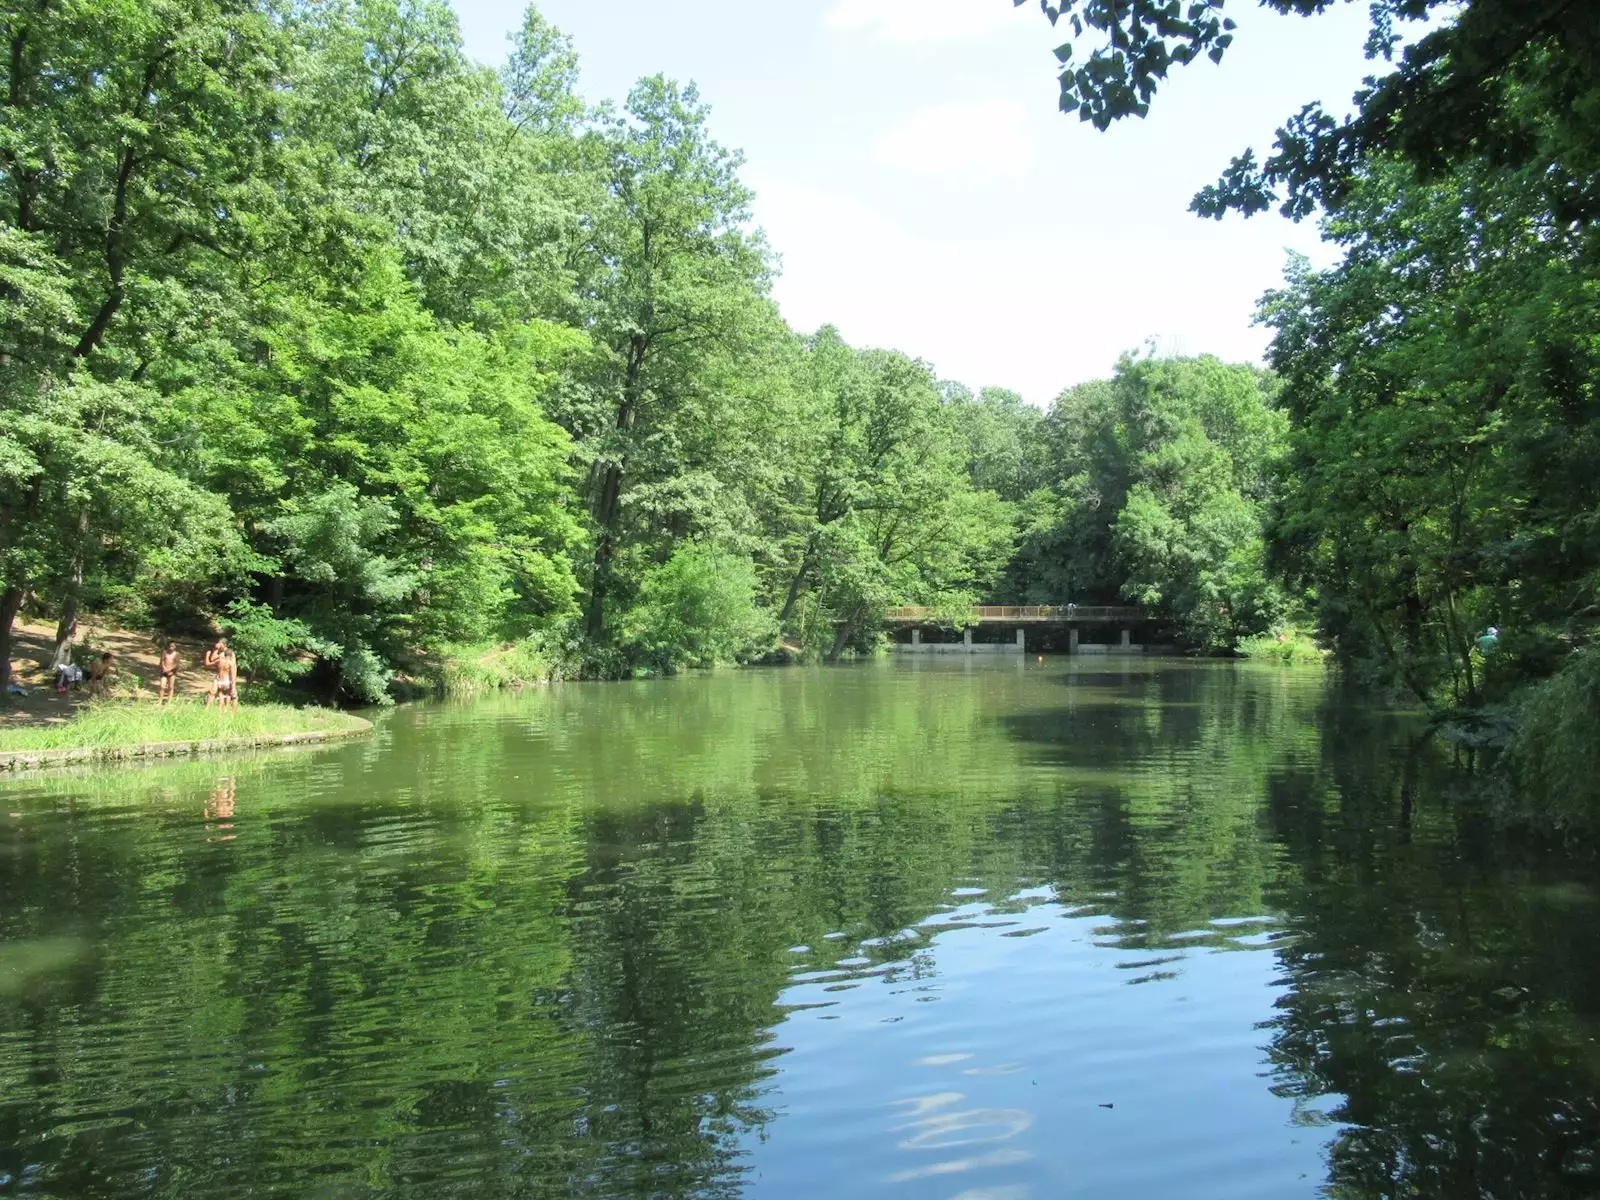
(553, 968)
(1444, 988)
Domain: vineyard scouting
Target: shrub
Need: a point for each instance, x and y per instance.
(270, 649)
(696, 609)
(1287, 647)
(470, 670)
(1552, 758)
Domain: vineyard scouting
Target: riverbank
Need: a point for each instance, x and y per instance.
(112, 732)
(136, 658)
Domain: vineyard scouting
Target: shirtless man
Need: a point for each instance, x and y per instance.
(169, 673)
(100, 674)
(225, 691)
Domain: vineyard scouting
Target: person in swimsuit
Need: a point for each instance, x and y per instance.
(169, 673)
(100, 675)
(228, 681)
(222, 688)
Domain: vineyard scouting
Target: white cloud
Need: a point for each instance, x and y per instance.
(912, 21)
(989, 137)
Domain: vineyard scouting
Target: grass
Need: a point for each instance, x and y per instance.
(108, 724)
(1294, 649)
(475, 669)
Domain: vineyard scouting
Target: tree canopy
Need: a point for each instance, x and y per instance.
(317, 331)
(1512, 80)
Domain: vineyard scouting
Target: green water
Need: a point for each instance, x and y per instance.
(914, 929)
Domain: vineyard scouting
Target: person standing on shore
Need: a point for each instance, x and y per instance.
(225, 689)
(169, 673)
(100, 674)
(228, 680)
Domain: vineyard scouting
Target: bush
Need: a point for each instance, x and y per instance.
(1287, 647)
(471, 670)
(1552, 758)
(696, 609)
(270, 649)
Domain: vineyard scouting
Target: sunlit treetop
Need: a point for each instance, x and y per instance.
(1517, 81)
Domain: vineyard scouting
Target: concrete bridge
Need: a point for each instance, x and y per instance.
(911, 614)
(1050, 621)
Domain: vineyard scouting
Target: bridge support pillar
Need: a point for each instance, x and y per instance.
(1022, 645)
(1072, 640)
(916, 637)
(966, 637)
(1127, 638)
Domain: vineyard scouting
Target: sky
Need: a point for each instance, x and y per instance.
(924, 193)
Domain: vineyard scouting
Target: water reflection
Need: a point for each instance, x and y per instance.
(218, 812)
(926, 929)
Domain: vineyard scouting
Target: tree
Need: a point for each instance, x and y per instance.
(894, 518)
(698, 608)
(385, 438)
(37, 317)
(1006, 445)
(1161, 477)
(673, 276)
(395, 126)
(133, 135)
(1516, 81)
(1442, 385)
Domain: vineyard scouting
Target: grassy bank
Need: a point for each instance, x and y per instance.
(1290, 648)
(114, 725)
(472, 670)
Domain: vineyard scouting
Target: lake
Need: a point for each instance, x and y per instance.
(914, 928)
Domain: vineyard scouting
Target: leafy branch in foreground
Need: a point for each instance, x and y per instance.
(1460, 90)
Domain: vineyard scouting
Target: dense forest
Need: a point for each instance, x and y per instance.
(1442, 382)
(382, 359)
(392, 364)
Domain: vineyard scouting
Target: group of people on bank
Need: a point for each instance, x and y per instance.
(220, 660)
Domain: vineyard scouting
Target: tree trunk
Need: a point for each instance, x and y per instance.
(66, 631)
(67, 626)
(608, 507)
(595, 620)
(605, 550)
(846, 631)
(10, 602)
(807, 561)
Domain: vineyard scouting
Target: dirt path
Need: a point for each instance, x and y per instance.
(136, 656)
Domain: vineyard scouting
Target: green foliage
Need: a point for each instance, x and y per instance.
(472, 670)
(385, 358)
(1161, 480)
(679, 317)
(1442, 386)
(1553, 756)
(354, 593)
(887, 510)
(1287, 647)
(698, 608)
(1511, 81)
(270, 649)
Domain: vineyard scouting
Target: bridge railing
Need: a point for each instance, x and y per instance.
(911, 613)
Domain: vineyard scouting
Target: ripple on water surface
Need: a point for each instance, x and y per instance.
(920, 929)
(1060, 1064)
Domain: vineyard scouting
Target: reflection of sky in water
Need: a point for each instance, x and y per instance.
(976, 1057)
